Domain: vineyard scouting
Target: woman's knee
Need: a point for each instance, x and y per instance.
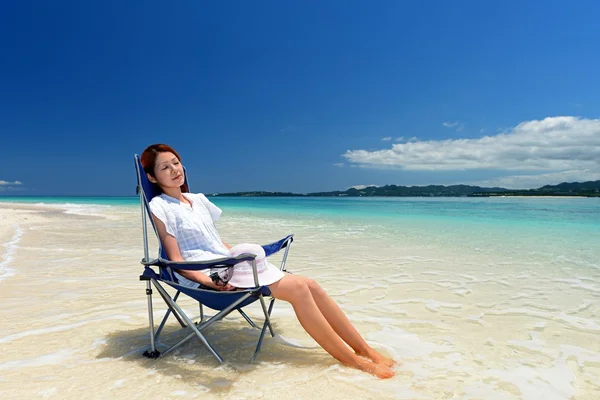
(290, 287)
(303, 282)
(300, 285)
(313, 286)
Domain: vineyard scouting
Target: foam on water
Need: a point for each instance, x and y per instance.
(60, 328)
(485, 310)
(583, 324)
(10, 249)
(426, 360)
(96, 210)
(57, 358)
(293, 342)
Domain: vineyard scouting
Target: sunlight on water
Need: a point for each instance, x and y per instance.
(486, 299)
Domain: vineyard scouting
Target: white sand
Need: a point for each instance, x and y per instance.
(469, 325)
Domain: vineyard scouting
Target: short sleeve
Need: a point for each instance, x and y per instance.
(215, 212)
(157, 209)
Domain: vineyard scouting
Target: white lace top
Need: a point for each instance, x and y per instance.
(193, 227)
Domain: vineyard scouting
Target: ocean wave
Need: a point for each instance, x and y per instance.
(97, 210)
(11, 246)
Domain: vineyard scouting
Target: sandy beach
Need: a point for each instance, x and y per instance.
(478, 324)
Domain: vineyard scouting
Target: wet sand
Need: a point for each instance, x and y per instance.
(470, 325)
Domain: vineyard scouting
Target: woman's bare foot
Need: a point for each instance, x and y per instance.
(377, 358)
(383, 360)
(379, 370)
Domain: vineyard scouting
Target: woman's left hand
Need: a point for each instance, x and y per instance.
(227, 287)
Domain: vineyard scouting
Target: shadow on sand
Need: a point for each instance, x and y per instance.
(234, 341)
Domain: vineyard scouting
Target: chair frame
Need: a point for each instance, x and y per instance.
(239, 298)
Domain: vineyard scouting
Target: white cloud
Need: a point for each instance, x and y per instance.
(550, 145)
(359, 187)
(538, 180)
(7, 183)
(454, 124)
(531, 154)
(401, 139)
(339, 164)
(387, 138)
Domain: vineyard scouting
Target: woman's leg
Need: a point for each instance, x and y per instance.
(342, 326)
(296, 291)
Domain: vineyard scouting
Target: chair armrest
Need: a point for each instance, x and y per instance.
(270, 249)
(274, 247)
(198, 265)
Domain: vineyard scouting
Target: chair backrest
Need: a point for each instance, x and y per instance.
(150, 189)
(147, 191)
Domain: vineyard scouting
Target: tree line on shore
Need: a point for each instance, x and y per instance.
(584, 189)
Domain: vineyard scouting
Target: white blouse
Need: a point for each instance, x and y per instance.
(193, 227)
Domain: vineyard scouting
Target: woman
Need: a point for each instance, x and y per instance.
(185, 224)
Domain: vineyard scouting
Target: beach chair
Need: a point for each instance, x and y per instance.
(224, 302)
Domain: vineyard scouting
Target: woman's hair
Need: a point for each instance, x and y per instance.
(148, 160)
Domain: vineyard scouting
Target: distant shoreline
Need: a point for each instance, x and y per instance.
(565, 189)
(13, 198)
(562, 190)
(550, 197)
(476, 195)
(553, 196)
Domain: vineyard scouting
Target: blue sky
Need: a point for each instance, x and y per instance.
(299, 96)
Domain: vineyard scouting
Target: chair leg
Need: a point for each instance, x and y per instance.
(153, 352)
(166, 296)
(270, 310)
(200, 327)
(190, 324)
(185, 321)
(164, 320)
(247, 318)
(264, 328)
(267, 313)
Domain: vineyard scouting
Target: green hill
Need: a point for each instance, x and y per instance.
(587, 189)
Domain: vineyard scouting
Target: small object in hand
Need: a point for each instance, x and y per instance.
(220, 276)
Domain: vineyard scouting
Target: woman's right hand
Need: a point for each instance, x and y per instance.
(227, 287)
(205, 280)
(221, 288)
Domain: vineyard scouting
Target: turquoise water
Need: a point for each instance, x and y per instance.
(111, 201)
(551, 228)
(495, 298)
(574, 212)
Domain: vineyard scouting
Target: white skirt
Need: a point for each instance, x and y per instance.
(243, 277)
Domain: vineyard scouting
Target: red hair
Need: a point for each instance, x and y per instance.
(148, 160)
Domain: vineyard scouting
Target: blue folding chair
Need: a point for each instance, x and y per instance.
(224, 302)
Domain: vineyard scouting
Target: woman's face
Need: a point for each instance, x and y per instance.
(168, 171)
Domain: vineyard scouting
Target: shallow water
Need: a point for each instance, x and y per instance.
(474, 303)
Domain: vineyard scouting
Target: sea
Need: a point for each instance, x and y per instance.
(477, 298)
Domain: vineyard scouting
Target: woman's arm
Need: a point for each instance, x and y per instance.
(172, 249)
